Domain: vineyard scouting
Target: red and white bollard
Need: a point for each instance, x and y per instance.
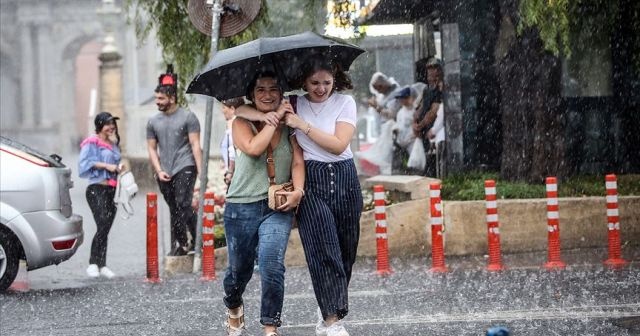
(208, 248)
(553, 226)
(153, 273)
(493, 226)
(437, 232)
(613, 223)
(381, 231)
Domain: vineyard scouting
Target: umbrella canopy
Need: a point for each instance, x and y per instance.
(228, 72)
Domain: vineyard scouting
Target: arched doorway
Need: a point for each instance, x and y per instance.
(86, 68)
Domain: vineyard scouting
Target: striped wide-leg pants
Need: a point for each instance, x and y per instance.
(329, 227)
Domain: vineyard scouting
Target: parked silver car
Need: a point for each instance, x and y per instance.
(37, 223)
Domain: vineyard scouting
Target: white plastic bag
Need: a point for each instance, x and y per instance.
(380, 153)
(417, 158)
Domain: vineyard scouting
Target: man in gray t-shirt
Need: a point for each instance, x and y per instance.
(173, 144)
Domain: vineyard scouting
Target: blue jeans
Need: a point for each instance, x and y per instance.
(247, 226)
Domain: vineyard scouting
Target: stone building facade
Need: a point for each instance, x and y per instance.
(47, 73)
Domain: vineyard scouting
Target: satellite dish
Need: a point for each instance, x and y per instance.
(236, 17)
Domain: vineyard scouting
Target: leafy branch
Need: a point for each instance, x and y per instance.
(182, 44)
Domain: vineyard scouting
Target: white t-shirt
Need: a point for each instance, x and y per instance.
(324, 116)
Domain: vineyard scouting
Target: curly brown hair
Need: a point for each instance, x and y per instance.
(233, 102)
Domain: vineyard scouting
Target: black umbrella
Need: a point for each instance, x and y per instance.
(228, 72)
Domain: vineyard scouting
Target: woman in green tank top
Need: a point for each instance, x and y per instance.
(248, 220)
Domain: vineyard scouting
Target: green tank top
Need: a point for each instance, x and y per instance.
(250, 182)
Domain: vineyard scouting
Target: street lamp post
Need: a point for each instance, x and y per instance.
(216, 11)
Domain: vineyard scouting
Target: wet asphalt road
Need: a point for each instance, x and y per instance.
(584, 299)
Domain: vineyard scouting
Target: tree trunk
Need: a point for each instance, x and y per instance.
(549, 144)
(532, 117)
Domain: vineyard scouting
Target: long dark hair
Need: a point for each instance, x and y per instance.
(117, 133)
(104, 118)
(341, 80)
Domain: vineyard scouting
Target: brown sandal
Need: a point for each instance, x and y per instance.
(239, 330)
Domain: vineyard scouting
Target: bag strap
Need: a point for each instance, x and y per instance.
(293, 100)
(271, 166)
(128, 209)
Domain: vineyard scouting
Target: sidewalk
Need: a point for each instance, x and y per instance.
(126, 254)
(127, 245)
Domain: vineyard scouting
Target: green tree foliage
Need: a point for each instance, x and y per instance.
(551, 19)
(188, 49)
(565, 24)
(295, 16)
(182, 44)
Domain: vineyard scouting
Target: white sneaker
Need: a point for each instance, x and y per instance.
(107, 273)
(321, 328)
(92, 271)
(337, 329)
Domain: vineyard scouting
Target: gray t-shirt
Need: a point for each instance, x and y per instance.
(172, 134)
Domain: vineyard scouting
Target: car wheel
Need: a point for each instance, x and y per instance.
(9, 260)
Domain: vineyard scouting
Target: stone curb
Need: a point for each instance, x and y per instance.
(523, 227)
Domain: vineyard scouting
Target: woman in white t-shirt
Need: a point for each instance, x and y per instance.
(329, 214)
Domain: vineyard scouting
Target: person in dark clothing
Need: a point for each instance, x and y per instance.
(99, 162)
(173, 144)
(427, 113)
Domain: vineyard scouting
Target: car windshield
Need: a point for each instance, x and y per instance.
(53, 160)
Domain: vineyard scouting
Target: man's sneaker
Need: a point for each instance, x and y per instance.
(92, 271)
(178, 251)
(321, 328)
(107, 273)
(190, 248)
(337, 329)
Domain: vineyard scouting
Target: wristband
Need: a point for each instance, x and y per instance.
(301, 191)
(308, 129)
